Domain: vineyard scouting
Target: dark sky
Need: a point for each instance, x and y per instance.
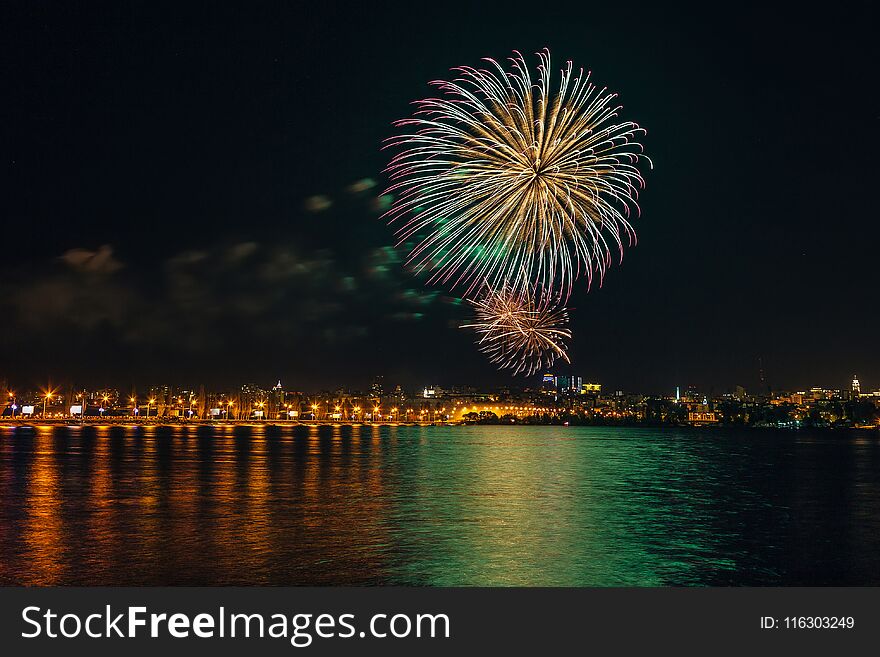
(158, 162)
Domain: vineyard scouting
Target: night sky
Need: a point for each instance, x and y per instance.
(185, 196)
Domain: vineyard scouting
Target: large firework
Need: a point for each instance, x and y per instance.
(511, 182)
(520, 331)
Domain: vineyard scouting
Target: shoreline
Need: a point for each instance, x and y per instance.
(280, 424)
(6, 424)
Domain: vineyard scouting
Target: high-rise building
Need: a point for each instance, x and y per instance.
(569, 385)
(277, 400)
(856, 387)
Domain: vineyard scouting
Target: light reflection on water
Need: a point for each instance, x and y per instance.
(438, 506)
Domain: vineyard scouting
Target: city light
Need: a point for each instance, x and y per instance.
(47, 397)
(560, 399)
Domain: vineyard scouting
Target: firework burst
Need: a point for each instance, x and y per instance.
(520, 331)
(511, 182)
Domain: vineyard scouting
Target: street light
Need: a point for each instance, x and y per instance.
(150, 403)
(46, 399)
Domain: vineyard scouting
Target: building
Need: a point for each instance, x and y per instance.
(432, 392)
(703, 417)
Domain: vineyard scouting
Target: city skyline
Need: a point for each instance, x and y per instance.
(379, 387)
(562, 399)
(763, 387)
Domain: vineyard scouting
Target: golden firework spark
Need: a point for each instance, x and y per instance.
(507, 182)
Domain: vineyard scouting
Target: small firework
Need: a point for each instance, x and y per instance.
(520, 331)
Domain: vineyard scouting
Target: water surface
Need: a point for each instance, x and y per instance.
(438, 506)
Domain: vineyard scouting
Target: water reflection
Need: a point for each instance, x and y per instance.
(437, 506)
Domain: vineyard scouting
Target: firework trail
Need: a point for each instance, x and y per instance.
(520, 331)
(514, 182)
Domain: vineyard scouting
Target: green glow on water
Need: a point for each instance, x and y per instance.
(535, 506)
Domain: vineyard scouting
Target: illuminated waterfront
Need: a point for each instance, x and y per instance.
(457, 505)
